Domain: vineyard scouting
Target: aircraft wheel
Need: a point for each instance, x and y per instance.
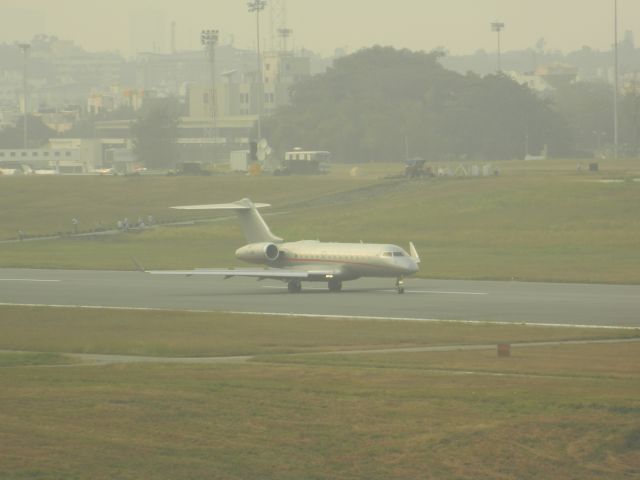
(400, 290)
(294, 286)
(335, 285)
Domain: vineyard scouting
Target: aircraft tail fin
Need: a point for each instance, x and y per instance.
(414, 252)
(253, 226)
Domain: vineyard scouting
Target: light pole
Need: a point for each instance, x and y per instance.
(615, 80)
(498, 27)
(257, 6)
(25, 90)
(209, 40)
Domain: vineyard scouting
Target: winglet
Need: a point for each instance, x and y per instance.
(414, 252)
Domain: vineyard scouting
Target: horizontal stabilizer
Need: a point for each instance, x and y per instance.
(237, 206)
(253, 225)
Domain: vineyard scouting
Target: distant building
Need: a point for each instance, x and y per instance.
(531, 80)
(89, 70)
(61, 156)
(10, 88)
(171, 71)
(196, 141)
(558, 74)
(60, 120)
(236, 105)
(238, 94)
(114, 98)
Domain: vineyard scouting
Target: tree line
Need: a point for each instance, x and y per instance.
(383, 104)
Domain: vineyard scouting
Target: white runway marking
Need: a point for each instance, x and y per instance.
(26, 280)
(274, 287)
(436, 292)
(387, 290)
(317, 315)
(429, 320)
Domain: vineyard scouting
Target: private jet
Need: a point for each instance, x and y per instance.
(305, 260)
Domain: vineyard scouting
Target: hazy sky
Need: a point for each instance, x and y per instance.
(462, 26)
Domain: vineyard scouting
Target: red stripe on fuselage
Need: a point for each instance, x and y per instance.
(342, 262)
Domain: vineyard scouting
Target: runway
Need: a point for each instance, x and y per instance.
(513, 302)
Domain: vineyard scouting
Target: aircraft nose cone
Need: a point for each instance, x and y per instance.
(411, 266)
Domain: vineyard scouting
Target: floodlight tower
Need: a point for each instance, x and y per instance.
(616, 78)
(257, 6)
(25, 47)
(498, 27)
(209, 40)
(284, 34)
(278, 10)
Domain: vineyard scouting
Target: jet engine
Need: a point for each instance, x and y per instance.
(259, 253)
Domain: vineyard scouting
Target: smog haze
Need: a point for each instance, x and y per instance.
(460, 26)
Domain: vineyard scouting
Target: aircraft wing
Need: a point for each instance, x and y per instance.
(260, 273)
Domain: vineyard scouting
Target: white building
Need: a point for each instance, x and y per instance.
(239, 94)
(62, 155)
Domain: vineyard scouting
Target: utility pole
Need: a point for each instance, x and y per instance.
(209, 40)
(498, 27)
(615, 81)
(25, 91)
(257, 6)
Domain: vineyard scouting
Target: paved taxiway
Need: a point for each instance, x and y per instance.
(545, 303)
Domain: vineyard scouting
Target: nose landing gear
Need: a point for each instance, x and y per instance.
(400, 285)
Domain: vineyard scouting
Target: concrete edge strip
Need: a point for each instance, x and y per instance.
(96, 359)
(433, 320)
(320, 315)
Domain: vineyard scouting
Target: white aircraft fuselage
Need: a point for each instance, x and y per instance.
(346, 261)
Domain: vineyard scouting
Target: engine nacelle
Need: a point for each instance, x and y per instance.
(259, 253)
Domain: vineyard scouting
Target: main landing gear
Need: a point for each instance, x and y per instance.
(294, 286)
(400, 285)
(335, 285)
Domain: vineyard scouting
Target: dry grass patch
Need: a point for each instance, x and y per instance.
(546, 412)
(303, 421)
(169, 333)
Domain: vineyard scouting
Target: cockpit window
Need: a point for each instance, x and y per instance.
(387, 254)
(398, 254)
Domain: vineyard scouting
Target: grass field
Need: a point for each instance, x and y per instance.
(540, 221)
(305, 405)
(190, 334)
(565, 411)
